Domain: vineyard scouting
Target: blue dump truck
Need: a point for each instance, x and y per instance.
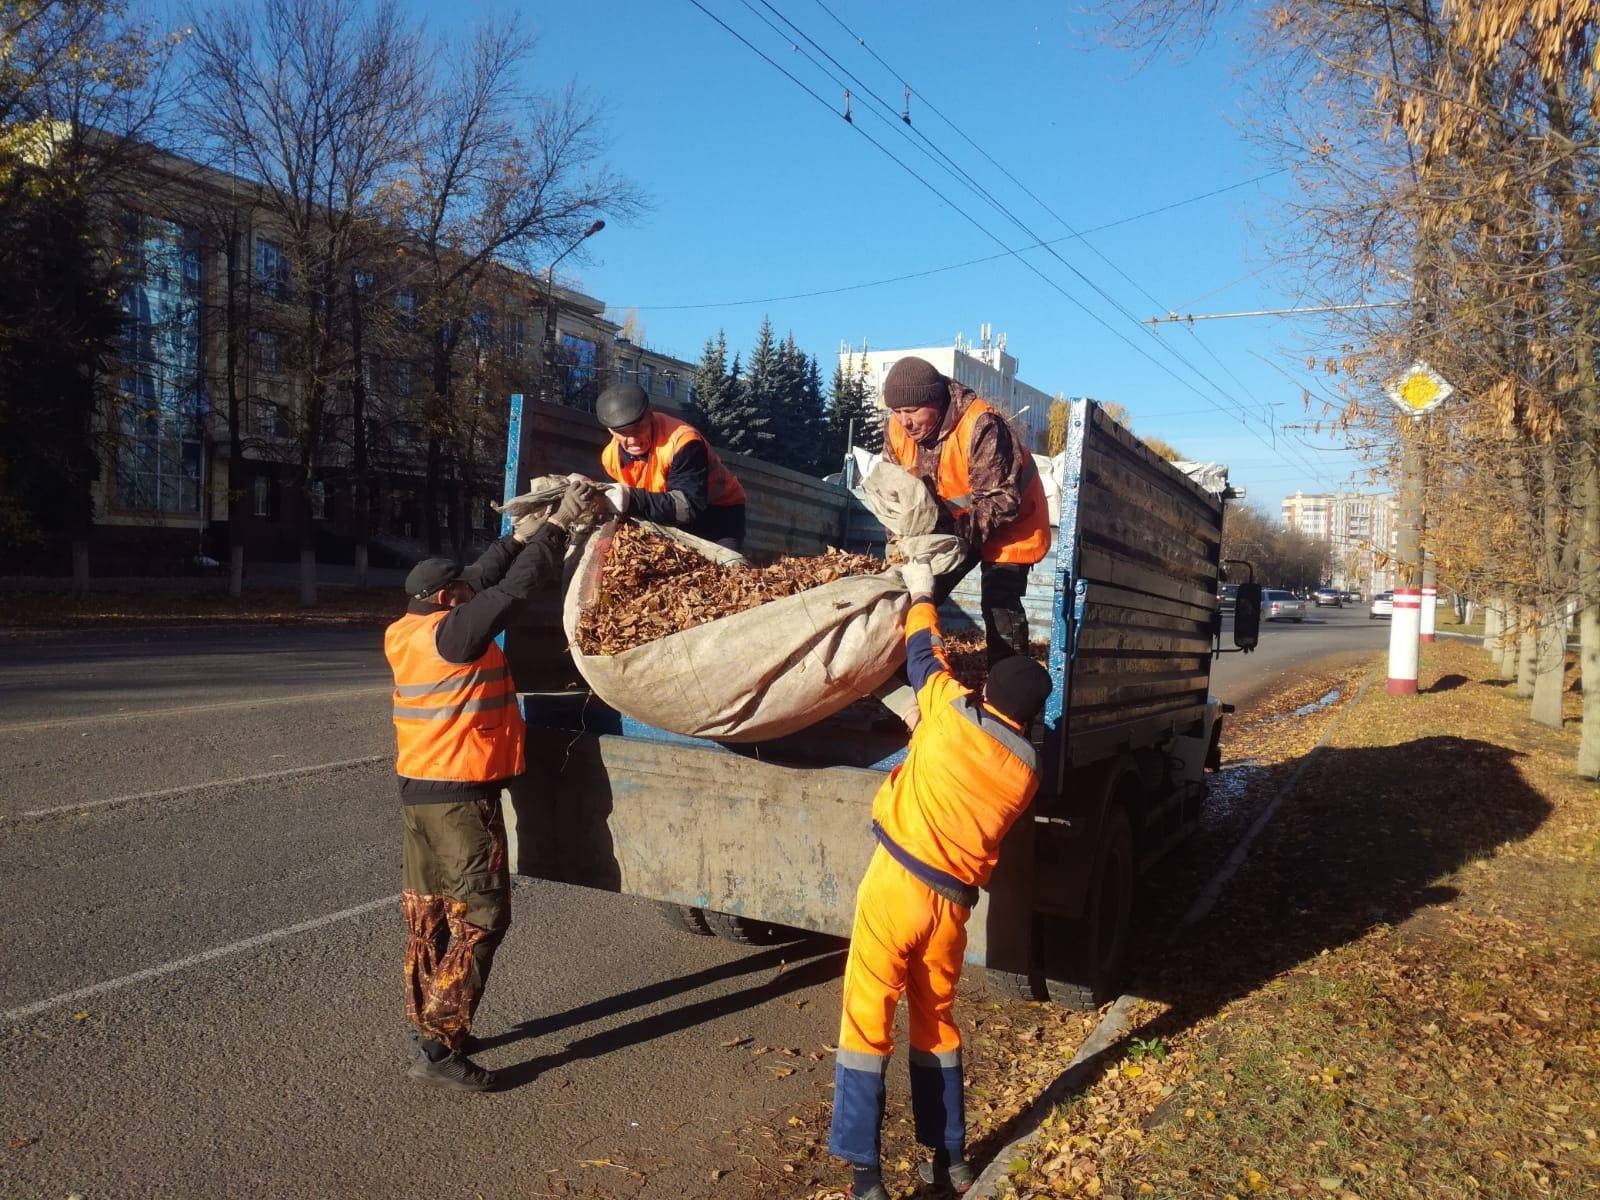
(735, 840)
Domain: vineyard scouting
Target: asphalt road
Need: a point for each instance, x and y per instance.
(1285, 649)
(199, 986)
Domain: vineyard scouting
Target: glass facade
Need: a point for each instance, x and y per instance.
(160, 400)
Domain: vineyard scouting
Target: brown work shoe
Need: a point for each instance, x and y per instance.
(455, 1071)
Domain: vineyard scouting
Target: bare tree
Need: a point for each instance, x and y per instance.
(499, 178)
(316, 101)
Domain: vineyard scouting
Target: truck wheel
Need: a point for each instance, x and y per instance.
(684, 918)
(732, 928)
(1084, 967)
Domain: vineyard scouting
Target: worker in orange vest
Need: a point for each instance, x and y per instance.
(987, 485)
(969, 773)
(665, 471)
(460, 736)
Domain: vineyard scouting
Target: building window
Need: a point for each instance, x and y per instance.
(272, 269)
(669, 386)
(579, 356)
(516, 337)
(159, 400)
(482, 328)
(647, 377)
(363, 280)
(624, 369)
(319, 500)
(405, 303)
(268, 350)
(401, 370)
(263, 496)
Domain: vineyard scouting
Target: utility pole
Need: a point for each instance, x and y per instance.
(547, 391)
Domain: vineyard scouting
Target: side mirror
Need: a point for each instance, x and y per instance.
(1247, 616)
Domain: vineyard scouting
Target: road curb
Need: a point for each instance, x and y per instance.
(1115, 1024)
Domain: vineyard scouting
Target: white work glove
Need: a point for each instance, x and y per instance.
(617, 495)
(575, 477)
(918, 578)
(575, 505)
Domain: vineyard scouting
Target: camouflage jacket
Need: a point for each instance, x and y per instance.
(993, 461)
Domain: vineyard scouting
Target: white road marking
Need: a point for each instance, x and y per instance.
(189, 788)
(194, 960)
(218, 706)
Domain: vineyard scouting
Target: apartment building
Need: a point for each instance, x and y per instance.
(206, 427)
(986, 367)
(1359, 528)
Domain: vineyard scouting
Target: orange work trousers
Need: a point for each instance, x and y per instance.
(906, 941)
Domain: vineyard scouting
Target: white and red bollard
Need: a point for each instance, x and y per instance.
(1405, 627)
(1430, 611)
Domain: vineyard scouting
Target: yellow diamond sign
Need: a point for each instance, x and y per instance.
(1420, 389)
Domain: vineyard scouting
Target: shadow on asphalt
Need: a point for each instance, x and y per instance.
(1366, 838)
(829, 965)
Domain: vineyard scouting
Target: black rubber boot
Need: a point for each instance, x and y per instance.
(455, 1071)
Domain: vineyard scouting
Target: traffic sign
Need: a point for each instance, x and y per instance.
(1420, 389)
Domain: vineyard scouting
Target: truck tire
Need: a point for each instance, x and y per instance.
(733, 928)
(1103, 945)
(684, 918)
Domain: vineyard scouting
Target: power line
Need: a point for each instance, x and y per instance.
(971, 262)
(1242, 416)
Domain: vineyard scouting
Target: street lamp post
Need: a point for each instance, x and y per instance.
(549, 389)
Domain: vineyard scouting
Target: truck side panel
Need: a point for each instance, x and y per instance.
(1144, 543)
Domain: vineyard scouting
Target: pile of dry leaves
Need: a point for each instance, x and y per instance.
(652, 586)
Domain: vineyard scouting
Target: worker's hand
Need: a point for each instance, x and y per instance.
(918, 578)
(578, 503)
(526, 526)
(575, 477)
(617, 495)
(913, 718)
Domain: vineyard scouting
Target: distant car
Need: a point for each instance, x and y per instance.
(1227, 598)
(1282, 606)
(1352, 597)
(1382, 606)
(1329, 598)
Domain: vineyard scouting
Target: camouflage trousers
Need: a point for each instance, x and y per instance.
(457, 905)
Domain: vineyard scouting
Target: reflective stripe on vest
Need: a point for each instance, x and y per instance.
(649, 473)
(453, 721)
(1023, 539)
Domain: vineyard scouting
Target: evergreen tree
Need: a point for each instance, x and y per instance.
(869, 416)
(840, 410)
(737, 424)
(763, 378)
(710, 385)
(814, 411)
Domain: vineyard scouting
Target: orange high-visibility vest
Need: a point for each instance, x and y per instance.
(650, 472)
(1023, 539)
(968, 776)
(454, 721)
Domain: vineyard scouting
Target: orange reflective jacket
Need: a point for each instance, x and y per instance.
(968, 776)
(1023, 539)
(669, 435)
(454, 721)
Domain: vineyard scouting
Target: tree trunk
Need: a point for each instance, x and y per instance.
(1527, 652)
(361, 563)
(308, 576)
(1549, 668)
(235, 568)
(80, 567)
(1589, 616)
(1491, 629)
(361, 518)
(1509, 641)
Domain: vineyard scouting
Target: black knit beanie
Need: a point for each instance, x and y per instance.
(914, 381)
(1017, 687)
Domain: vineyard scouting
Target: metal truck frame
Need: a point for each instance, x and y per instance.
(736, 839)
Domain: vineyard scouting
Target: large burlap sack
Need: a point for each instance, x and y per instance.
(759, 674)
(543, 497)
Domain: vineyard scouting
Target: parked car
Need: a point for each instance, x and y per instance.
(1282, 606)
(1382, 606)
(1330, 598)
(1227, 599)
(1352, 597)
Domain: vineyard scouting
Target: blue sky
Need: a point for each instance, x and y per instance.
(759, 192)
